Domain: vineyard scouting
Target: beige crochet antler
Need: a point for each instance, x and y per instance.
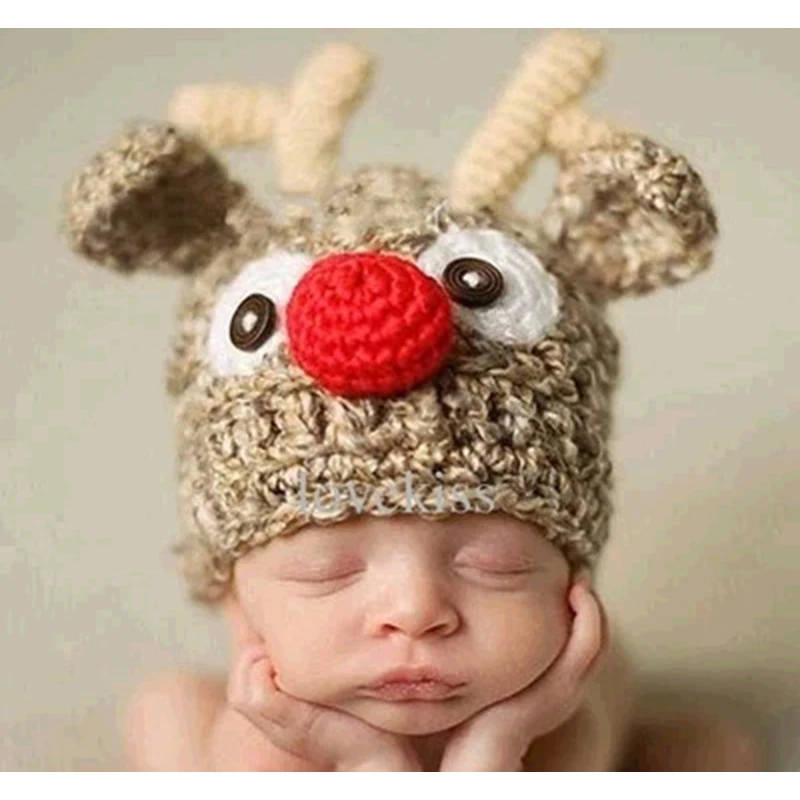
(228, 114)
(305, 123)
(537, 111)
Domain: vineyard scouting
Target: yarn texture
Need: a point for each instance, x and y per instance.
(400, 331)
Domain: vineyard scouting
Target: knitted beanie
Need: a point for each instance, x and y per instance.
(380, 341)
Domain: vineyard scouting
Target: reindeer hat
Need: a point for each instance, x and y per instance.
(395, 325)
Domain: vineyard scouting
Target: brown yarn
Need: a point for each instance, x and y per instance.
(154, 200)
(632, 216)
(529, 421)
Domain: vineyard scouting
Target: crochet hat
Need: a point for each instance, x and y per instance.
(394, 343)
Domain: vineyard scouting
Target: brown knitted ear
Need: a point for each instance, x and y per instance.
(632, 215)
(156, 200)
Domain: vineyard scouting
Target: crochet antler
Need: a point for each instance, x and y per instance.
(304, 124)
(228, 114)
(630, 214)
(498, 158)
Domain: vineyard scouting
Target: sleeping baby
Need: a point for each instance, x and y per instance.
(430, 633)
(393, 408)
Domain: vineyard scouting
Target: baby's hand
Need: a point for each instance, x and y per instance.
(316, 733)
(497, 738)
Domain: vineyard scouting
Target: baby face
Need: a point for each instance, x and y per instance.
(480, 599)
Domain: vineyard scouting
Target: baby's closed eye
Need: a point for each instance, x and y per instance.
(321, 571)
(493, 557)
(494, 567)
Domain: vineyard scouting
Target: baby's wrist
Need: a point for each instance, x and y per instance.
(503, 754)
(388, 763)
(388, 753)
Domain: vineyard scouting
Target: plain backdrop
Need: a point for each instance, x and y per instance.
(702, 568)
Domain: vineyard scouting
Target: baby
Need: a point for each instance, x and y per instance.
(429, 345)
(482, 638)
(410, 644)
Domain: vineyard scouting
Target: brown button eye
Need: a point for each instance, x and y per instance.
(253, 322)
(473, 282)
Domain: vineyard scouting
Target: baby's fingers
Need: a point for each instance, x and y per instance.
(589, 633)
(253, 692)
(568, 674)
(286, 721)
(559, 693)
(307, 730)
(240, 684)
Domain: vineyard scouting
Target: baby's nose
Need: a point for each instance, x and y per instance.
(416, 606)
(369, 324)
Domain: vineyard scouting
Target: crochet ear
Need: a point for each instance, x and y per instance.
(156, 200)
(632, 216)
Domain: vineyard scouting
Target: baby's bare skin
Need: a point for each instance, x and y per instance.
(187, 722)
(183, 722)
(550, 689)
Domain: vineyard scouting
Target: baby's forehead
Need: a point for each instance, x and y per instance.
(401, 528)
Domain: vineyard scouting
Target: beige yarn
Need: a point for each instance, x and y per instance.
(308, 133)
(498, 158)
(304, 124)
(531, 420)
(228, 114)
(574, 129)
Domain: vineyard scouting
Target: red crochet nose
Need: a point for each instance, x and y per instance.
(369, 324)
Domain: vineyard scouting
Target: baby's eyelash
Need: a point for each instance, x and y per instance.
(494, 562)
(326, 578)
(497, 570)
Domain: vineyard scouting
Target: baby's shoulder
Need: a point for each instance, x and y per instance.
(181, 722)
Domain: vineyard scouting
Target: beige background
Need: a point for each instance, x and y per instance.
(703, 567)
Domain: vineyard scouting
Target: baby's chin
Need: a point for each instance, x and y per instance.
(413, 718)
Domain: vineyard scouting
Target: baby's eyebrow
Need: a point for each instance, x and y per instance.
(501, 546)
(316, 540)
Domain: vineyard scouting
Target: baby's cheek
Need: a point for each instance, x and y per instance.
(304, 660)
(294, 675)
(534, 631)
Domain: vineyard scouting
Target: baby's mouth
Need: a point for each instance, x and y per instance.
(425, 690)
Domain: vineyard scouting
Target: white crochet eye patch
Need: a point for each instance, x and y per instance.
(274, 277)
(528, 305)
(530, 301)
